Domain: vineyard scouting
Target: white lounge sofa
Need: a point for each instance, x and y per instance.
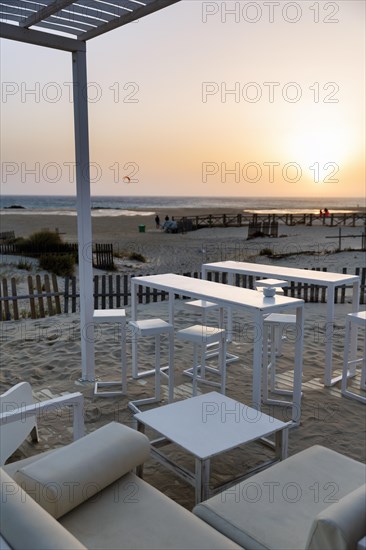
(314, 500)
(85, 496)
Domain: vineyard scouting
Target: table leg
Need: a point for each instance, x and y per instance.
(140, 468)
(171, 308)
(133, 336)
(299, 349)
(329, 337)
(202, 479)
(258, 360)
(229, 337)
(355, 309)
(328, 380)
(171, 367)
(281, 444)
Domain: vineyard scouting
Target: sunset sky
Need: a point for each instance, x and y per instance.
(192, 100)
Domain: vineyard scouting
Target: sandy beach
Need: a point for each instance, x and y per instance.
(167, 252)
(46, 352)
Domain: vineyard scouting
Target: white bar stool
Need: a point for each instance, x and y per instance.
(278, 284)
(203, 307)
(113, 316)
(201, 335)
(155, 327)
(349, 366)
(274, 326)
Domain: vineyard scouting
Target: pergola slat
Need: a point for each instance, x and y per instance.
(62, 28)
(39, 38)
(83, 19)
(87, 12)
(155, 5)
(114, 10)
(9, 16)
(72, 23)
(45, 12)
(15, 10)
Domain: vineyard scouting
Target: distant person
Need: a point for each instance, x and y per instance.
(157, 221)
(166, 218)
(326, 212)
(320, 213)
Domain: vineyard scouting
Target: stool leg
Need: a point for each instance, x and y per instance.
(345, 360)
(204, 350)
(134, 355)
(278, 339)
(275, 339)
(171, 367)
(123, 358)
(157, 367)
(363, 368)
(265, 362)
(195, 365)
(222, 362)
(203, 358)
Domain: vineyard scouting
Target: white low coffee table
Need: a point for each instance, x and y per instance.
(207, 426)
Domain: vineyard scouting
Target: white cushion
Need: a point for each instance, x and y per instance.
(275, 509)
(67, 477)
(26, 526)
(133, 515)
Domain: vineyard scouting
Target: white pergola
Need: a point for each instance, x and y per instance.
(67, 25)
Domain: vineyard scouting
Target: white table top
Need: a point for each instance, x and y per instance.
(225, 295)
(292, 274)
(210, 424)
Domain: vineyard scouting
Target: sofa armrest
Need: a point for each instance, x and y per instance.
(64, 479)
(74, 400)
(341, 525)
(26, 526)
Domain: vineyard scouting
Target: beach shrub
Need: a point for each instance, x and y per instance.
(23, 264)
(266, 252)
(41, 240)
(130, 256)
(137, 257)
(60, 264)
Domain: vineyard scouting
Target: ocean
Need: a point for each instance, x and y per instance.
(146, 206)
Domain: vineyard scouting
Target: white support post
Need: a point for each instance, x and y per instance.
(83, 213)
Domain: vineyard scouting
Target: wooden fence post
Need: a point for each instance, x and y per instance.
(6, 302)
(31, 297)
(57, 294)
(15, 301)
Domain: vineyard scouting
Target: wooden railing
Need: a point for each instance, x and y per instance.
(240, 220)
(45, 298)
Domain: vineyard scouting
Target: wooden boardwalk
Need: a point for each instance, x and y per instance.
(192, 223)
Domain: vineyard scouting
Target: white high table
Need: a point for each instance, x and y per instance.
(231, 297)
(327, 279)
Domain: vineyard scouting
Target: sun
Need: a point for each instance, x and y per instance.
(321, 153)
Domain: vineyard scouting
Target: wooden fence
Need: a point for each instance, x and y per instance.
(45, 298)
(245, 219)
